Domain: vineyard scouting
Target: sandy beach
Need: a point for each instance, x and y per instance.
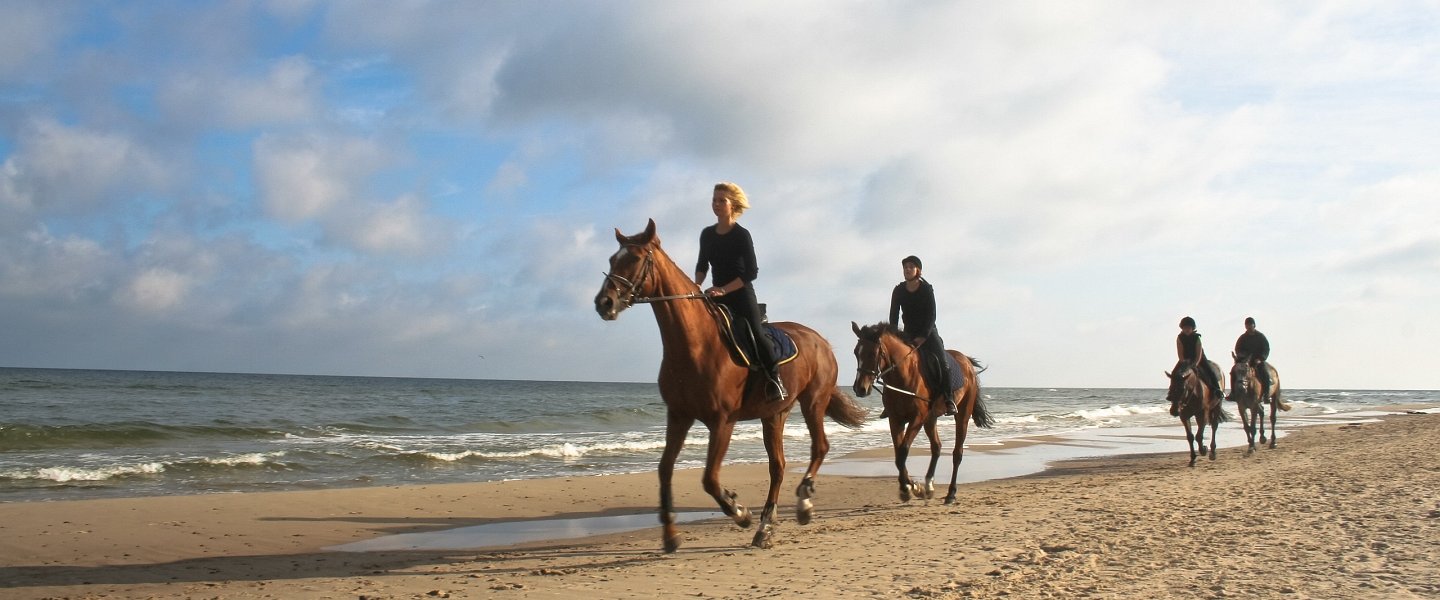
(1337, 511)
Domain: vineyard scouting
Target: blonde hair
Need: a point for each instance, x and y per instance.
(738, 201)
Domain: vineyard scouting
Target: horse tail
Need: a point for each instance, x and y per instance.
(1220, 415)
(845, 410)
(980, 415)
(1281, 403)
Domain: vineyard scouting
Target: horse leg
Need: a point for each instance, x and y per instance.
(1249, 421)
(1189, 439)
(931, 432)
(710, 480)
(676, 428)
(1214, 425)
(908, 488)
(1260, 419)
(962, 427)
(819, 447)
(774, 434)
(1274, 408)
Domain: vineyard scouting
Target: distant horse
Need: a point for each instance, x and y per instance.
(699, 380)
(1246, 390)
(1192, 398)
(884, 359)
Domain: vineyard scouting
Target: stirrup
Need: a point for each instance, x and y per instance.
(778, 391)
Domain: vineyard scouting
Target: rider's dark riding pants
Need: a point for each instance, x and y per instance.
(744, 307)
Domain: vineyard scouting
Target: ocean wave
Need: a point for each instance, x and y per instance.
(69, 474)
(24, 436)
(143, 468)
(1120, 410)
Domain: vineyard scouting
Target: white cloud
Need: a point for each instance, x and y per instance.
(64, 169)
(309, 176)
(155, 290)
(287, 93)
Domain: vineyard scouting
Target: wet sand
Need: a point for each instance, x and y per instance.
(1339, 510)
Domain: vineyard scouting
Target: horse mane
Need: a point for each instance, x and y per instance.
(873, 333)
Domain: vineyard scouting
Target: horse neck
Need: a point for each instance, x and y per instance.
(906, 361)
(683, 323)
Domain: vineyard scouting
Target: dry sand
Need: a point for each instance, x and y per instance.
(1347, 511)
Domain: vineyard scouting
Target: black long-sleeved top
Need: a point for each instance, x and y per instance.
(917, 307)
(1190, 348)
(1253, 344)
(727, 257)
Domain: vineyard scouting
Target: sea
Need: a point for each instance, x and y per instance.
(79, 434)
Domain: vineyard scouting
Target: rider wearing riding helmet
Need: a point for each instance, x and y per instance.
(1254, 347)
(1192, 354)
(915, 299)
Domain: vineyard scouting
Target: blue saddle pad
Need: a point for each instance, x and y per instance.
(783, 348)
(957, 376)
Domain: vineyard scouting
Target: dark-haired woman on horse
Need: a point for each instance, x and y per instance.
(726, 248)
(914, 301)
(1192, 355)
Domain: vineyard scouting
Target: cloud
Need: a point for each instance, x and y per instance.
(308, 176)
(28, 34)
(287, 93)
(67, 169)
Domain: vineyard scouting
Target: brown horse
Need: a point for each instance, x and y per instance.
(1246, 390)
(884, 359)
(700, 381)
(1192, 398)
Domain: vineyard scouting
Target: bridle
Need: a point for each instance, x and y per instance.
(631, 294)
(877, 376)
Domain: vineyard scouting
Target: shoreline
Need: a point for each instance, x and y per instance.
(274, 544)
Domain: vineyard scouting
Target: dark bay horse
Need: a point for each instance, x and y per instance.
(1194, 400)
(699, 381)
(1246, 390)
(884, 359)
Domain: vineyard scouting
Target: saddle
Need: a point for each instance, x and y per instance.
(957, 376)
(741, 341)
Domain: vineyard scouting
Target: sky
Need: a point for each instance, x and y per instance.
(431, 189)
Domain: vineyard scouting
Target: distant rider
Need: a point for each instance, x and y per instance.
(915, 299)
(1192, 353)
(1253, 347)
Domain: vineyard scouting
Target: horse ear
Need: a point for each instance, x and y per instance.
(620, 237)
(1167, 375)
(856, 328)
(649, 232)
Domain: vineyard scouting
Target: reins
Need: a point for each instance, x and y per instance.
(631, 295)
(879, 376)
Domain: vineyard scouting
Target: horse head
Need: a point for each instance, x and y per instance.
(1176, 392)
(630, 273)
(870, 357)
(1242, 375)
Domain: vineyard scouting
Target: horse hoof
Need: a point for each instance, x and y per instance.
(742, 517)
(950, 499)
(762, 538)
(671, 543)
(804, 511)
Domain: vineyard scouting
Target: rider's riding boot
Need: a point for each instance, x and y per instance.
(777, 388)
(949, 404)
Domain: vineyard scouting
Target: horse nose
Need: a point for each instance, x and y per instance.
(605, 306)
(861, 390)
